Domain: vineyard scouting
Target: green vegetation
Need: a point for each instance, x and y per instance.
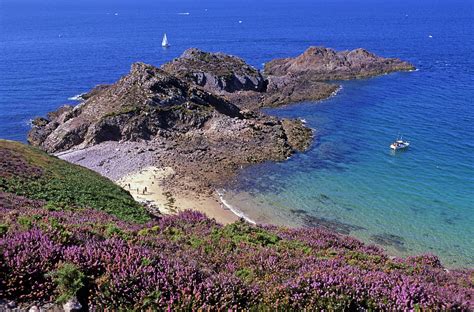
(187, 262)
(65, 186)
(244, 232)
(69, 280)
(3, 229)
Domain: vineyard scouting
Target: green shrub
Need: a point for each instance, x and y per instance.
(245, 274)
(149, 231)
(69, 280)
(295, 245)
(245, 232)
(56, 206)
(3, 229)
(112, 230)
(25, 222)
(146, 261)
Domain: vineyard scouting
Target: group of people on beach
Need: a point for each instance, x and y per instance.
(144, 190)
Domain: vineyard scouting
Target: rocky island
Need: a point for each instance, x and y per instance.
(194, 122)
(327, 64)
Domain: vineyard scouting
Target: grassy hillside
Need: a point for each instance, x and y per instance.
(29, 172)
(53, 248)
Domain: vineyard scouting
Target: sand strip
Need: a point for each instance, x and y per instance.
(146, 185)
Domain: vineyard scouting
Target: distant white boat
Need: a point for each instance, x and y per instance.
(165, 42)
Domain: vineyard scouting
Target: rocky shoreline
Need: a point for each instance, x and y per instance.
(199, 115)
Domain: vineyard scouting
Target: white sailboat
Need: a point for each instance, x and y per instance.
(165, 42)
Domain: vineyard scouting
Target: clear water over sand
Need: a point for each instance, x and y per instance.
(410, 202)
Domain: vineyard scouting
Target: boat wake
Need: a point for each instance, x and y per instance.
(234, 210)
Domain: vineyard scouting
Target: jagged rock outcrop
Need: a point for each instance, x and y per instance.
(283, 81)
(322, 64)
(287, 89)
(216, 72)
(175, 123)
(144, 103)
(242, 84)
(97, 89)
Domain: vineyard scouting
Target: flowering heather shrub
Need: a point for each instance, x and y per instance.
(27, 256)
(64, 231)
(13, 164)
(190, 262)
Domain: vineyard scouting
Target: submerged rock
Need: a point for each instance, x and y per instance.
(386, 239)
(332, 225)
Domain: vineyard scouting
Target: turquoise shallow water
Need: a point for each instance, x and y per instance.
(417, 201)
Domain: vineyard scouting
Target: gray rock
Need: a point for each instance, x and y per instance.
(143, 104)
(72, 305)
(216, 72)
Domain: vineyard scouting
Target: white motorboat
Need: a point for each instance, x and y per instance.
(399, 144)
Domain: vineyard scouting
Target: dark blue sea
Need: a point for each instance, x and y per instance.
(421, 200)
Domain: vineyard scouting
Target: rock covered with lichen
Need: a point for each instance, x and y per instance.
(241, 83)
(140, 105)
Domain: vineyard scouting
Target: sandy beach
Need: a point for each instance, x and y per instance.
(147, 185)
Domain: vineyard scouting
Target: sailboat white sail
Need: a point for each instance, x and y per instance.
(165, 42)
